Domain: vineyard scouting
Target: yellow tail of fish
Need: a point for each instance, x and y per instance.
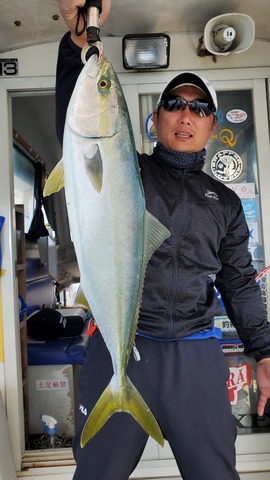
(124, 399)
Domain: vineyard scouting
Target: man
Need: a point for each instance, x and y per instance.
(182, 372)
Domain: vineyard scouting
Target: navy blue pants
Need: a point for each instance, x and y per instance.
(184, 384)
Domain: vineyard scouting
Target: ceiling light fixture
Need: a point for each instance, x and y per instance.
(146, 51)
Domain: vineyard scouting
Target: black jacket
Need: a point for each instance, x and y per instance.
(209, 239)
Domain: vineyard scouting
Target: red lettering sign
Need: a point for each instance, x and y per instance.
(240, 377)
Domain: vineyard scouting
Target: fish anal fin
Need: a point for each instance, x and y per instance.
(94, 167)
(55, 181)
(155, 234)
(125, 398)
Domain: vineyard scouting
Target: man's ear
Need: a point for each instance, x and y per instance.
(215, 122)
(155, 118)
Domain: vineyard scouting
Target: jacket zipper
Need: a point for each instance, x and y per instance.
(176, 272)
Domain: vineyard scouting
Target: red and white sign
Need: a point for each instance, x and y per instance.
(240, 377)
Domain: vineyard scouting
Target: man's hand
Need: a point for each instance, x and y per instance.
(263, 379)
(69, 11)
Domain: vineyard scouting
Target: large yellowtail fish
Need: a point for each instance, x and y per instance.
(114, 236)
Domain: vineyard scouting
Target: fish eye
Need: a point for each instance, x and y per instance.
(104, 84)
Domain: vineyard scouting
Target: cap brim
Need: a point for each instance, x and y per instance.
(188, 78)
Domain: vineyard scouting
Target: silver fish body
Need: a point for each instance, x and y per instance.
(113, 234)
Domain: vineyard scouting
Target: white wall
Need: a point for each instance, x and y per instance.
(41, 59)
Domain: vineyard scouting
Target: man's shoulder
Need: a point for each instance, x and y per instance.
(223, 189)
(145, 159)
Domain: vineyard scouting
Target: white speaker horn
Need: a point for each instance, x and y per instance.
(229, 33)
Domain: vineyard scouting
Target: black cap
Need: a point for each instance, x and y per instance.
(191, 78)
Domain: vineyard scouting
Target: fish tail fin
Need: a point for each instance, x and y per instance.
(124, 399)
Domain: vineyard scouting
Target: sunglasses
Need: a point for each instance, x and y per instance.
(199, 107)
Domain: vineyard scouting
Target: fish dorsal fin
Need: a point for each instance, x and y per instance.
(155, 234)
(94, 166)
(55, 180)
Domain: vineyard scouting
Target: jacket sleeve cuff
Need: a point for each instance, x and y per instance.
(263, 361)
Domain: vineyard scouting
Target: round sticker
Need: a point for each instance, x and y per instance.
(236, 116)
(226, 165)
(150, 128)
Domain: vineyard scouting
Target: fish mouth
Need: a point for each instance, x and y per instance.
(82, 132)
(99, 137)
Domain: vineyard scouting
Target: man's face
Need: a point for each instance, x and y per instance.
(183, 130)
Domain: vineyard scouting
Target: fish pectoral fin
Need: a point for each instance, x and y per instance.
(80, 298)
(55, 181)
(125, 398)
(155, 234)
(94, 166)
